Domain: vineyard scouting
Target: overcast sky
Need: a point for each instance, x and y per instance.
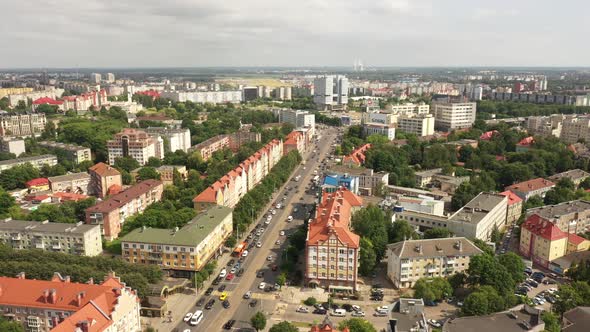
(178, 33)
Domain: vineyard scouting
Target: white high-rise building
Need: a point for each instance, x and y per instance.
(420, 125)
(95, 78)
(451, 116)
(331, 92)
(110, 77)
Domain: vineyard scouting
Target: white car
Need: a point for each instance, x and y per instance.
(187, 317)
(233, 270)
(269, 218)
(267, 222)
(273, 212)
(258, 244)
(278, 206)
(245, 253)
(434, 323)
(278, 242)
(282, 233)
(356, 308)
(302, 309)
(223, 273)
(358, 314)
(290, 218)
(262, 285)
(269, 258)
(382, 308)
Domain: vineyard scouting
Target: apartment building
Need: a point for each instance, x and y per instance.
(535, 187)
(77, 183)
(85, 101)
(408, 261)
(478, 218)
(111, 213)
(104, 180)
(421, 125)
(451, 116)
(22, 125)
(182, 251)
(575, 129)
(514, 209)
(331, 248)
(71, 152)
(95, 78)
(214, 97)
(298, 118)
(368, 179)
(174, 139)
(379, 129)
(211, 145)
(167, 173)
(545, 125)
(10, 91)
(576, 175)
(36, 161)
(12, 145)
(228, 190)
(242, 137)
(61, 305)
(294, 141)
(15, 99)
(331, 92)
(570, 217)
(75, 239)
(382, 117)
(409, 109)
(542, 241)
(136, 144)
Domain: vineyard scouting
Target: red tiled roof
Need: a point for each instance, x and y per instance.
(488, 135)
(47, 100)
(103, 169)
(122, 198)
(207, 196)
(63, 196)
(38, 182)
(151, 93)
(543, 228)
(358, 155)
(512, 197)
(530, 185)
(526, 141)
(576, 239)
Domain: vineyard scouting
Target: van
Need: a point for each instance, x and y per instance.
(338, 312)
(197, 318)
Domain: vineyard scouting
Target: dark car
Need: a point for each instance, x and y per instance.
(253, 303)
(231, 262)
(201, 302)
(430, 303)
(260, 274)
(209, 291)
(320, 311)
(229, 324)
(225, 304)
(268, 288)
(221, 288)
(549, 281)
(250, 246)
(347, 307)
(217, 281)
(210, 304)
(240, 273)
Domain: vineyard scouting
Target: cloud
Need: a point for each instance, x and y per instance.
(152, 33)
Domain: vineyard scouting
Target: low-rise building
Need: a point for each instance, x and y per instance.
(576, 175)
(478, 218)
(37, 161)
(73, 153)
(333, 181)
(182, 251)
(60, 305)
(525, 144)
(434, 178)
(331, 248)
(423, 204)
(12, 145)
(368, 179)
(173, 138)
(407, 315)
(357, 156)
(104, 180)
(111, 213)
(408, 261)
(77, 183)
(518, 319)
(514, 209)
(576, 320)
(208, 147)
(542, 241)
(535, 187)
(327, 326)
(294, 141)
(167, 173)
(37, 185)
(571, 217)
(562, 264)
(373, 128)
(75, 239)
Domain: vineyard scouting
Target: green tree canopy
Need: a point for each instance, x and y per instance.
(437, 233)
(357, 325)
(258, 321)
(284, 327)
(432, 289)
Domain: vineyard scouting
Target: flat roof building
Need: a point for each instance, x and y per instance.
(73, 153)
(36, 161)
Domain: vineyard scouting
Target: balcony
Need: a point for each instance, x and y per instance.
(40, 245)
(16, 237)
(451, 261)
(431, 269)
(56, 246)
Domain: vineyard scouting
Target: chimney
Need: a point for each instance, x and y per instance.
(117, 291)
(0, 290)
(83, 325)
(46, 295)
(79, 298)
(21, 275)
(91, 281)
(67, 279)
(53, 296)
(460, 245)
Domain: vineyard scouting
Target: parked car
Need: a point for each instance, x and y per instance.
(380, 314)
(223, 296)
(253, 303)
(302, 309)
(221, 288)
(260, 274)
(347, 307)
(209, 291)
(434, 323)
(229, 324)
(230, 276)
(226, 304)
(430, 303)
(223, 273)
(262, 285)
(240, 272)
(201, 302)
(187, 317)
(210, 304)
(358, 314)
(321, 311)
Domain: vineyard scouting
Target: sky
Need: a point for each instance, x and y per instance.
(293, 33)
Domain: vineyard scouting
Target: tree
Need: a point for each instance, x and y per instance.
(154, 162)
(284, 327)
(496, 236)
(310, 301)
(514, 265)
(476, 304)
(437, 233)
(400, 231)
(432, 289)
(11, 326)
(486, 270)
(357, 325)
(551, 321)
(6, 202)
(126, 163)
(258, 321)
(282, 279)
(146, 173)
(368, 257)
(371, 223)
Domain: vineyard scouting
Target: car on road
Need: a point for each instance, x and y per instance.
(223, 273)
(187, 317)
(282, 233)
(231, 261)
(278, 242)
(260, 274)
(226, 304)
(240, 272)
(197, 318)
(230, 276)
(223, 296)
(302, 309)
(320, 311)
(209, 291)
(258, 244)
(269, 258)
(245, 253)
(221, 288)
(250, 246)
(434, 323)
(210, 304)
(262, 285)
(253, 303)
(358, 314)
(247, 295)
(229, 324)
(201, 302)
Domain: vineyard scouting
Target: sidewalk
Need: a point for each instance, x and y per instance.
(179, 304)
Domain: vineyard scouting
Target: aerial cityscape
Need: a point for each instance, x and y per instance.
(314, 166)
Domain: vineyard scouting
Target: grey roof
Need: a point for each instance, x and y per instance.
(429, 172)
(434, 248)
(576, 320)
(566, 261)
(190, 235)
(44, 226)
(502, 321)
(558, 210)
(356, 171)
(70, 177)
(27, 159)
(574, 174)
(474, 211)
(64, 146)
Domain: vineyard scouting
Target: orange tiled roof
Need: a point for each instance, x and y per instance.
(124, 197)
(333, 217)
(512, 197)
(530, 185)
(527, 141)
(358, 155)
(103, 169)
(576, 239)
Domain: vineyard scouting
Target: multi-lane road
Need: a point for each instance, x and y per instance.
(258, 258)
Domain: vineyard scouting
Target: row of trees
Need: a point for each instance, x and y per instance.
(258, 321)
(510, 109)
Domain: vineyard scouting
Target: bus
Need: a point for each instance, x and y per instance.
(240, 249)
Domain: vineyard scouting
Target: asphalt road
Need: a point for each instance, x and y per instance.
(257, 257)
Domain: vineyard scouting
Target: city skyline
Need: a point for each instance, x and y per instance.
(395, 33)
